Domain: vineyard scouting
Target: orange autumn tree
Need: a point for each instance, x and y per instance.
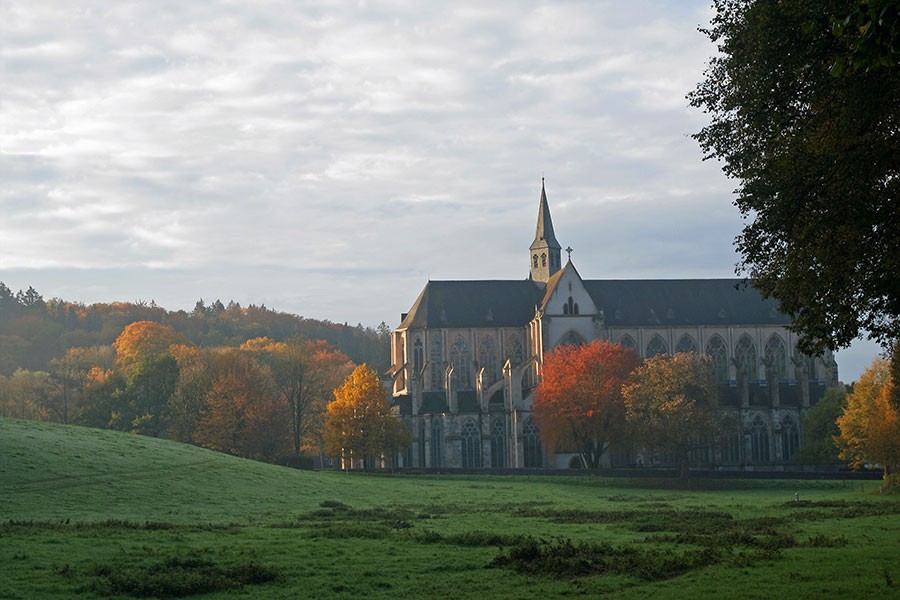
(144, 340)
(359, 424)
(870, 424)
(579, 401)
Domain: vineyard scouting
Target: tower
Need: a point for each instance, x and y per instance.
(545, 249)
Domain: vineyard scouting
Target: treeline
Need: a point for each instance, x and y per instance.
(34, 331)
(264, 399)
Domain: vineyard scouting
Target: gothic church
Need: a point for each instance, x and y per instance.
(467, 358)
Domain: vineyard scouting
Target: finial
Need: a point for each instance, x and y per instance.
(569, 252)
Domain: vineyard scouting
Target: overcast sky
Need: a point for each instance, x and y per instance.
(328, 158)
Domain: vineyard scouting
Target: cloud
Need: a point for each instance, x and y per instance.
(327, 157)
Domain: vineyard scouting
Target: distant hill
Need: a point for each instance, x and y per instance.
(34, 331)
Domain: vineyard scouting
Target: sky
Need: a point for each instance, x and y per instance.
(328, 158)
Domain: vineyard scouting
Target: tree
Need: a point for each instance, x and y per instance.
(671, 403)
(870, 425)
(820, 429)
(242, 415)
(358, 423)
(579, 400)
(306, 374)
(142, 340)
(816, 150)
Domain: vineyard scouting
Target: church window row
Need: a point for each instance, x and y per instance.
(570, 307)
(746, 358)
(460, 359)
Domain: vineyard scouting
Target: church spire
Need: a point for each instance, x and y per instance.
(545, 260)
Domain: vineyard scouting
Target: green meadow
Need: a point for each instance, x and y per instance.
(96, 514)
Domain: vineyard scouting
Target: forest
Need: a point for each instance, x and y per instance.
(249, 381)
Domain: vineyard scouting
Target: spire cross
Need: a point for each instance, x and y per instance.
(569, 252)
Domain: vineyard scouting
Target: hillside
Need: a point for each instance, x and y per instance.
(51, 472)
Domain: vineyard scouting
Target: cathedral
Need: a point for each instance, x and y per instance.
(467, 357)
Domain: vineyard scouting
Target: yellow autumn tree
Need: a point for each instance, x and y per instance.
(359, 424)
(870, 424)
(143, 340)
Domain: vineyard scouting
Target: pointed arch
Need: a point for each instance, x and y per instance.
(498, 443)
(517, 355)
(418, 356)
(572, 338)
(471, 445)
(626, 341)
(461, 359)
(717, 351)
(775, 351)
(487, 359)
(686, 343)
(790, 437)
(759, 441)
(655, 346)
(437, 442)
(746, 357)
(531, 442)
(436, 359)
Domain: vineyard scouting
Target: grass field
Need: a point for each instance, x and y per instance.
(90, 513)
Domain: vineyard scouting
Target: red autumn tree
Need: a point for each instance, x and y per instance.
(579, 401)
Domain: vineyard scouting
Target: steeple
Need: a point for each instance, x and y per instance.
(545, 260)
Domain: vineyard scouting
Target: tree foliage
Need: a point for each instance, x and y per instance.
(870, 425)
(359, 424)
(242, 414)
(671, 403)
(820, 429)
(144, 340)
(816, 150)
(579, 400)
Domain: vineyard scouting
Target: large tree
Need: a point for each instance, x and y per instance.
(804, 100)
(359, 424)
(870, 425)
(579, 401)
(671, 403)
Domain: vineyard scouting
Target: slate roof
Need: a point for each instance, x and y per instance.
(625, 302)
(681, 302)
(490, 303)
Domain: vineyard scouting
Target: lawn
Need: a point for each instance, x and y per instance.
(90, 513)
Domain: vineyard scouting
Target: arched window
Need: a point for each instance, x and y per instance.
(790, 437)
(656, 346)
(461, 359)
(487, 358)
(437, 364)
(571, 339)
(570, 307)
(731, 448)
(715, 349)
(745, 355)
(418, 356)
(686, 344)
(498, 444)
(518, 354)
(543, 260)
(531, 441)
(534, 261)
(775, 352)
(437, 442)
(759, 441)
(626, 341)
(471, 445)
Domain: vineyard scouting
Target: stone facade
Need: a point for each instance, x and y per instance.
(468, 355)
